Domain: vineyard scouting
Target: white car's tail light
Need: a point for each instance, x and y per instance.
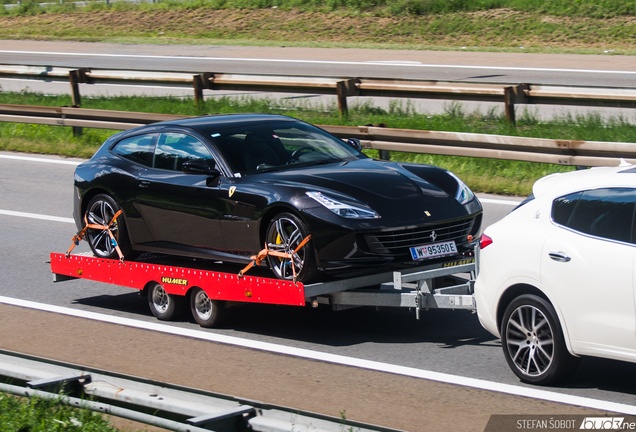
(484, 241)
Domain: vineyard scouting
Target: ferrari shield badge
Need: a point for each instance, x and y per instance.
(232, 190)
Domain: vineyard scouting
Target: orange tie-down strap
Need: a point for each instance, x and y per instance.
(257, 259)
(80, 235)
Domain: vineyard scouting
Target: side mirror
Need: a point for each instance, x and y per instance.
(199, 166)
(354, 143)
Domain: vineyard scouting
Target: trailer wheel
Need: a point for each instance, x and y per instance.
(207, 312)
(164, 306)
(533, 342)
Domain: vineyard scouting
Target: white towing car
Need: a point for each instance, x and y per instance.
(557, 275)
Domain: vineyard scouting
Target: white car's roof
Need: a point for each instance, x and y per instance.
(564, 183)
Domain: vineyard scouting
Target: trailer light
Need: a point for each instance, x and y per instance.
(248, 294)
(79, 272)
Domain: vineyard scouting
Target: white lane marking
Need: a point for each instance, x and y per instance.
(37, 216)
(498, 201)
(34, 159)
(362, 63)
(332, 358)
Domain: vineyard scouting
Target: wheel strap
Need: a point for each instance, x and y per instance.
(258, 258)
(81, 234)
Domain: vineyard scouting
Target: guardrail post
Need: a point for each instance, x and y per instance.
(74, 80)
(384, 154)
(197, 83)
(200, 82)
(344, 89)
(341, 91)
(509, 102)
(75, 77)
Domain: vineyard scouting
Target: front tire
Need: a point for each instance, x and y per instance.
(164, 306)
(100, 211)
(284, 233)
(533, 342)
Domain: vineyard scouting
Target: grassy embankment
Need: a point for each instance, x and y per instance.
(583, 26)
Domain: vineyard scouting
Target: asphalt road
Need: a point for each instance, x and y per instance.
(566, 69)
(442, 341)
(478, 67)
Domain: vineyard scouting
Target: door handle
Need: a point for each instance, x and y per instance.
(144, 184)
(559, 256)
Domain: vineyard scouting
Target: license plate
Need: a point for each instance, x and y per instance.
(433, 250)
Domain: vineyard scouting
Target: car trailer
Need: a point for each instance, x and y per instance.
(172, 283)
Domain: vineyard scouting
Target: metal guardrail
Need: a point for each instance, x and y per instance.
(342, 87)
(163, 405)
(562, 152)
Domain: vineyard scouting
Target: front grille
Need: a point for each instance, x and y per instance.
(399, 241)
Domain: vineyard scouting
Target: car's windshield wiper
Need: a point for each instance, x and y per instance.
(322, 162)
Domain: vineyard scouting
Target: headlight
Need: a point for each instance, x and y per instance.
(464, 194)
(342, 209)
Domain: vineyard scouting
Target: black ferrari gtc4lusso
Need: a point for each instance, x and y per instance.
(222, 187)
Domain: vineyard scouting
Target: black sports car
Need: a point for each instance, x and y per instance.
(222, 187)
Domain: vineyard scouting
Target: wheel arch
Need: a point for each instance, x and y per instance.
(519, 289)
(90, 194)
(271, 213)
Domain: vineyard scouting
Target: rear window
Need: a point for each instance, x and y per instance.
(606, 213)
(137, 149)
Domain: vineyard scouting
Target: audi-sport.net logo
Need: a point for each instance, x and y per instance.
(605, 423)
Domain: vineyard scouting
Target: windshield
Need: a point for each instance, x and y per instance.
(282, 145)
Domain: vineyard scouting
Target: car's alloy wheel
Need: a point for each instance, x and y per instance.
(100, 211)
(164, 306)
(207, 312)
(533, 342)
(285, 232)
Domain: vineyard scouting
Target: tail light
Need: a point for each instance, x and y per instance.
(484, 241)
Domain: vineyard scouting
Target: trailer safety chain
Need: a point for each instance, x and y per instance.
(80, 235)
(257, 259)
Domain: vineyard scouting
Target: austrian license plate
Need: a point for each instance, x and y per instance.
(433, 250)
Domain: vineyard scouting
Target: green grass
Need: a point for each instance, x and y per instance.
(577, 8)
(37, 415)
(483, 175)
(581, 26)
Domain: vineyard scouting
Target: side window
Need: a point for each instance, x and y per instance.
(137, 149)
(173, 149)
(606, 213)
(562, 208)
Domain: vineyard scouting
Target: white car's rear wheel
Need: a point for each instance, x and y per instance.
(533, 342)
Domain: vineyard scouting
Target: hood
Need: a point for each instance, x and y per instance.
(397, 191)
